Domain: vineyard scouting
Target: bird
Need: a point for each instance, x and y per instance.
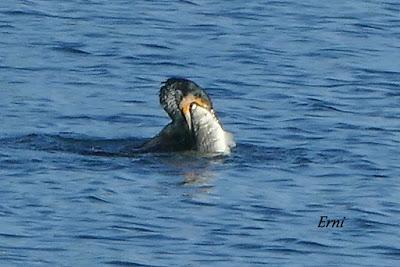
(194, 125)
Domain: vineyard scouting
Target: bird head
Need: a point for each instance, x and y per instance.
(177, 96)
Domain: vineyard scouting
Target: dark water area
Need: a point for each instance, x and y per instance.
(310, 91)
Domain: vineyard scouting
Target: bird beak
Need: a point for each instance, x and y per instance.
(187, 115)
(186, 104)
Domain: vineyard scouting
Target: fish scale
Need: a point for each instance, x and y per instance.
(209, 135)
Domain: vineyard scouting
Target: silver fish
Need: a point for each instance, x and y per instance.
(208, 133)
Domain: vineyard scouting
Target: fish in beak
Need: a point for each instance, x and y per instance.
(208, 133)
(186, 105)
(187, 116)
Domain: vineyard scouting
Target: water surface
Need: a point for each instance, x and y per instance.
(310, 91)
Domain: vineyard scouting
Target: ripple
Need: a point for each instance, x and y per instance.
(311, 96)
(71, 50)
(129, 263)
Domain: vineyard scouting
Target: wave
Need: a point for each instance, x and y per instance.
(78, 144)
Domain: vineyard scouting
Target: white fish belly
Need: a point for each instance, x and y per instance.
(209, 135)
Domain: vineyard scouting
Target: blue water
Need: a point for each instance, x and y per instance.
(310, 90)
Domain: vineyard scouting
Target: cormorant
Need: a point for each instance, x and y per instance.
(194, 125)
